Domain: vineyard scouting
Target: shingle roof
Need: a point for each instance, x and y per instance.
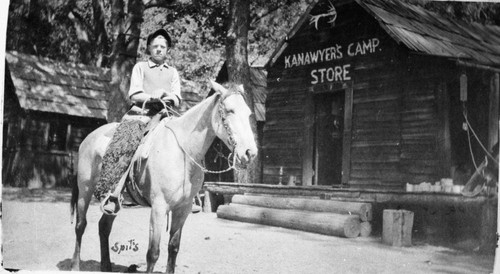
(45, 85)
(427, 32)
(258, 79)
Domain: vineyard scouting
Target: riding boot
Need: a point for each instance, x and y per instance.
(111, 206)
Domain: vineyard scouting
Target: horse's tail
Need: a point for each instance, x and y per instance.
(74, 200)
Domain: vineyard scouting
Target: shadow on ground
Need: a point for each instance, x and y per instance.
(92, 265)
(52, 195)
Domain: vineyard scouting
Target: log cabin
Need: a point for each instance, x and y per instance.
(367, 100)
(50, 107)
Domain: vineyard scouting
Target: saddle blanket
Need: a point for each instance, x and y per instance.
(126, 139)
(130, 145)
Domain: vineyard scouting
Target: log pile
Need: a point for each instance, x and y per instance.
(329, 217)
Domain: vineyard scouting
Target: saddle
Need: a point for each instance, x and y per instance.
(129, 147)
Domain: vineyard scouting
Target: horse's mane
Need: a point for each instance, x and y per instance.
(189, 121)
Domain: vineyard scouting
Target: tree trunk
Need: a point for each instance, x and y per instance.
(239, 71)
(100, 35)
(127, 31)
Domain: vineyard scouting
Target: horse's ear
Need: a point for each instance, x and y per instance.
(217, 87)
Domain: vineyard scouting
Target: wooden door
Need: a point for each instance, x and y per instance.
(328, 137)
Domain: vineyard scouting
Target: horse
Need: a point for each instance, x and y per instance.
(172, 174)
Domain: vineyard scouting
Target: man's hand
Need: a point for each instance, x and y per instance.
(169, 100)
(155, 104)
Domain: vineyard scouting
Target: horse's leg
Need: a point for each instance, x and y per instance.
(81, 223)
(105, 225)
(157, 223)
(178, 219)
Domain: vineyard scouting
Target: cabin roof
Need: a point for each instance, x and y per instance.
(46, 85)
(426, 32)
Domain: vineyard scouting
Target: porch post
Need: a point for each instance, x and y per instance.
(493, 113)
(308, 147)
(496, 265)
(346, 146)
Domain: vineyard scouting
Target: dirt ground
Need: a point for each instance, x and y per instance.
(38, 235)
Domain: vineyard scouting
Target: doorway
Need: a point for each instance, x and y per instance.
(328, 137)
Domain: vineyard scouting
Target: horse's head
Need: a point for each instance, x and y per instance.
(231, 122)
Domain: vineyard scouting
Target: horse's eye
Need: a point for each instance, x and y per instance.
(230, 111)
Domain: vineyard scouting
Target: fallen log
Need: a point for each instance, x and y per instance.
(363, 210)
(365, 229)
(318, 222)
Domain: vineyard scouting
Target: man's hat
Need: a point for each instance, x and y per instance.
(160, 32)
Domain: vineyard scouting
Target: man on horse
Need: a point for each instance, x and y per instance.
(154, 86)
(154, 80)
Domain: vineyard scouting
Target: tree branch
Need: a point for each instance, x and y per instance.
(82, 29)
(159, 3)
(268, 12)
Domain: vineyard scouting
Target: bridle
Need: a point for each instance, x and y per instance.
(231, 158)
(223, 117)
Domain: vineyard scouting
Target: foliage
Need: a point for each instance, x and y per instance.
(481, 12)
(43, 27)
(196, 52)
(49, 28)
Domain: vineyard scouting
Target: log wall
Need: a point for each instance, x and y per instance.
(41, 150)
(398, 131)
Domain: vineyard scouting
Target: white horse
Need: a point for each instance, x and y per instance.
(172, 174)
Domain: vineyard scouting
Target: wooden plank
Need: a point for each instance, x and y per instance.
(209, 201)
(367, 151)
(277, 160)
(280, 146)
(308, 143)
(324, 223)
(383, 98)
(376, 174)
(67, 138)
(374, 143)
(347, 138)
(494, 112)
(419, 116)
(376, 135)
(378, 166)
(419, 169)
(365, 229)
(397, 227)
(373, 184)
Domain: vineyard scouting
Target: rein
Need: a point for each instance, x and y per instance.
(231, 141)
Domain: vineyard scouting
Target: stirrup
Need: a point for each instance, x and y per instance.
(196, 208)
(117, 201)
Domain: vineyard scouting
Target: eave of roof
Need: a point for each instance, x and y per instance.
(423, 32)
(45, 85)
(426, 32)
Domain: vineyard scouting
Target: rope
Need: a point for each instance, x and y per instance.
(204, 169)
(470, 150)
(477, 138)
(230, 139)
